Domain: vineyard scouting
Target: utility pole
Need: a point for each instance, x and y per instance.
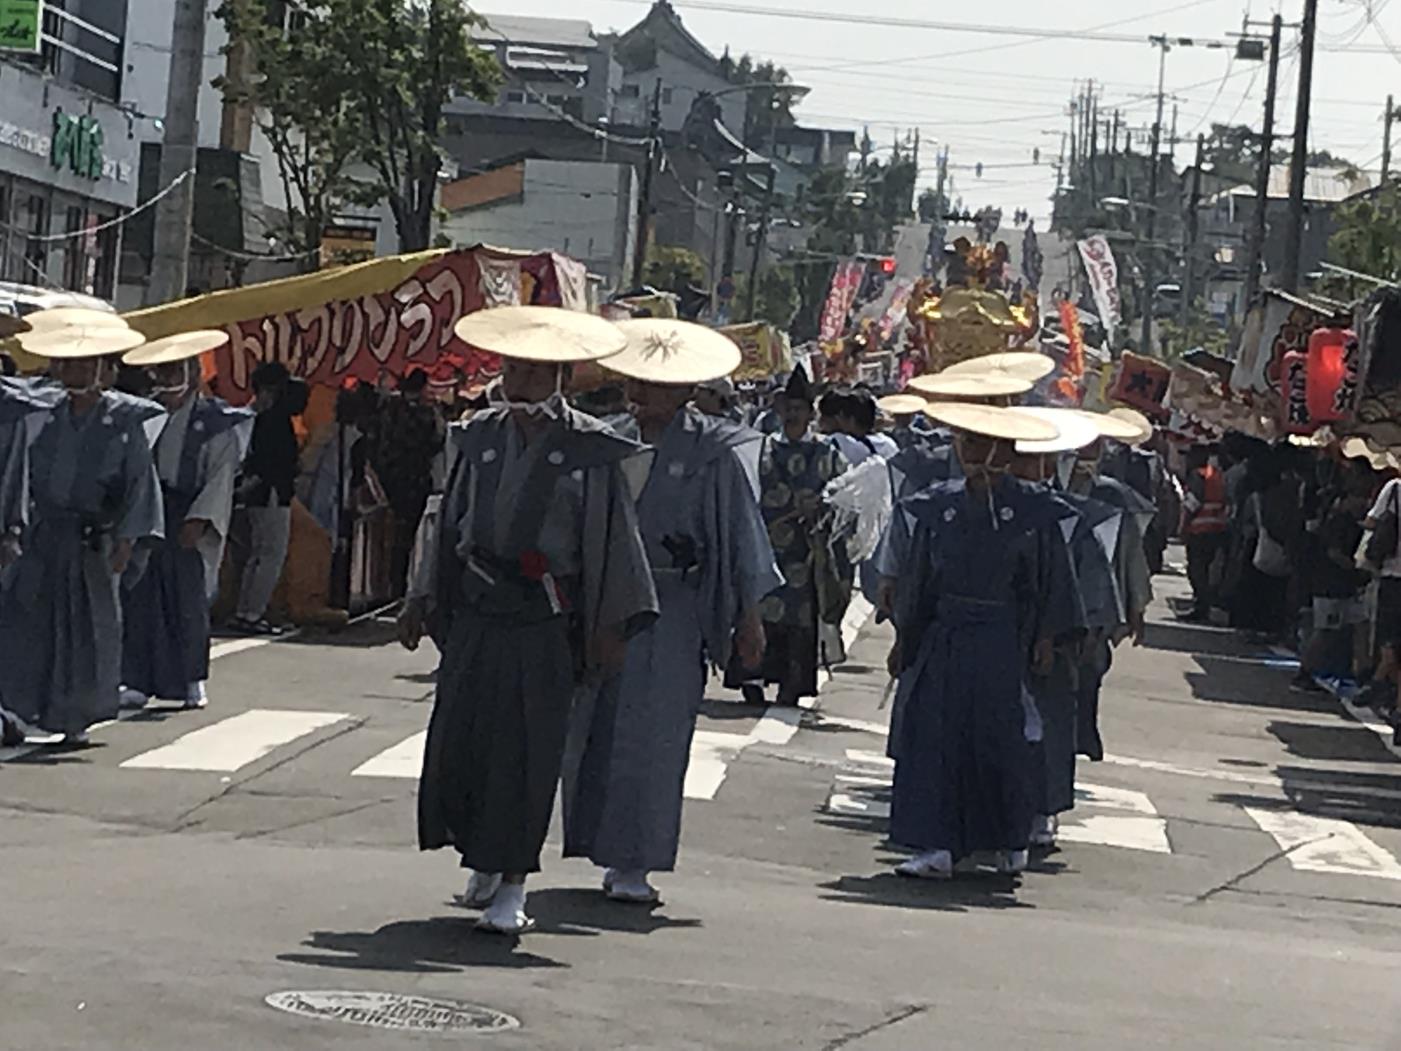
(763, 235)
(1094, 148)
(1189, 235)
(1298, 167)
(1172, 139)
(1256, 246)
(1386, 137)
(170, 257)
(644, 202)
(1154, 162)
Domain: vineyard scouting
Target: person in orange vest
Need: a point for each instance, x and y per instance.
(1204, 528)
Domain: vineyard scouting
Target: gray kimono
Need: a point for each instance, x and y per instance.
(537, 550)
(711, 558)
(91, 483)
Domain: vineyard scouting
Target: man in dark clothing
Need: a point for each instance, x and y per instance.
(1335, 581)
(413, 434)
(269, 475)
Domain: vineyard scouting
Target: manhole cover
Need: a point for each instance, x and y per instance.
(394, 1011)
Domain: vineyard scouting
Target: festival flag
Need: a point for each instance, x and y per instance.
(846, 281)
(1103, 272)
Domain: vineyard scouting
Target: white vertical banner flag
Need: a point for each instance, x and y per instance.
(1103, 272)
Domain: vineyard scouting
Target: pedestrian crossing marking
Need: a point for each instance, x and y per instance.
(711, 755)
(1116, 830)
(1324, 844)
(405, 759)
(233, 743)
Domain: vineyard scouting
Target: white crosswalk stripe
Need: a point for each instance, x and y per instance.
(233, 743)
(1104, 816)
(405, 759)
(1322, 844)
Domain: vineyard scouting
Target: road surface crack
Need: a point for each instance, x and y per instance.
(889, 1020)
(1240, 877)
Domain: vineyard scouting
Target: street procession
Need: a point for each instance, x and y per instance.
(509, 529)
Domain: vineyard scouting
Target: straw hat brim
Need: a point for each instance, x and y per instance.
(901, 404)
(1076, 432)
(1022, 364)
(975, 385)
(551, 335)
(180, 347)
(666, 350)
(56, 318)
(80, 341)
(1120, 430)
(1135, 419)
(991, 421)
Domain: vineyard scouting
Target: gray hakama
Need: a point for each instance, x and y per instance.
(1134, 589)
(166, 599)
(538, 550)
(92, 483)
(982, 578)
(710, 556)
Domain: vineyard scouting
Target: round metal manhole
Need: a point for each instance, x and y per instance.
(394, 1011)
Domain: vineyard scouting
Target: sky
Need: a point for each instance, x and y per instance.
(994, 99)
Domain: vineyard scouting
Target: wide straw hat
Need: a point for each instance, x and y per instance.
(1115, 427)
(67, 317)
(991, 421)
(665, 350)
(546, 334)
(1076, 432)
(1022, 364)
(974, 385)
(1136, 420)
(179, 347)
(80, 341)
(901, 404)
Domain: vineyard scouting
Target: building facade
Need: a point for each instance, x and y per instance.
(69, 155)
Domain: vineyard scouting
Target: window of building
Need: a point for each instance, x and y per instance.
(75, 258)
(556, 100)
(515, 96)
(104, 277)
(666, 96)
(36, 223)
(629, 91)
(6, 240)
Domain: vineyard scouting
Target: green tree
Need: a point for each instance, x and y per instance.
(294, 82)
(1367, 239)
(362, 81)
(407, 60)
(769, 107)
(777, 300)
(673, 269)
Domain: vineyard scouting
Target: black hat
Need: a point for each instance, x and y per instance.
(799, 386)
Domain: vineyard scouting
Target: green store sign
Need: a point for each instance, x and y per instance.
(77, 145)
(20, 24)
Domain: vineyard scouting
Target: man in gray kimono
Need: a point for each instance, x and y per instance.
(711, 560)
(93, 495)
(538, 579)
(167, 596)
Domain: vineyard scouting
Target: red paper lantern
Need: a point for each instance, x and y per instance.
(1324, 372)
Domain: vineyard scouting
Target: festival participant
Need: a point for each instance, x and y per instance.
(93, 497)
(979, 587)
(537, 579)
(856, 435)
(712, 565)
(1095, 609)
(167, 597)
(794, 468)
(1205, 529)
(1132, 578)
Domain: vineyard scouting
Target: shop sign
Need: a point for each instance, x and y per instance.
(77, 145)
(40, 145)
(20, 25)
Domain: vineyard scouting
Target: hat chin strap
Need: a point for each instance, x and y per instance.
(551, 408)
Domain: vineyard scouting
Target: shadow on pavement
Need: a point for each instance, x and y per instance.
(1197, 639)
(963, 893)
(1250, 686)
(441, 945)
(573, 910)
(1346, 740)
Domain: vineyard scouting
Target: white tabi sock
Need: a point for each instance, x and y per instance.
(507, 913)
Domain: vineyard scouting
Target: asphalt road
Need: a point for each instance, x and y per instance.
(1232, 881)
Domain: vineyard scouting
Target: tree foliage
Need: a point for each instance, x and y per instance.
(767, 107)
(1368, 235)
(351, 96)
(777, 300)
(674, 269)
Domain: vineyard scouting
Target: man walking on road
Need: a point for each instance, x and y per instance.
(166, 623)
(712, 564)
(1205, 528)
(539, 578)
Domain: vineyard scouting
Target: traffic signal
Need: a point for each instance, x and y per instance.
(887, 265)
